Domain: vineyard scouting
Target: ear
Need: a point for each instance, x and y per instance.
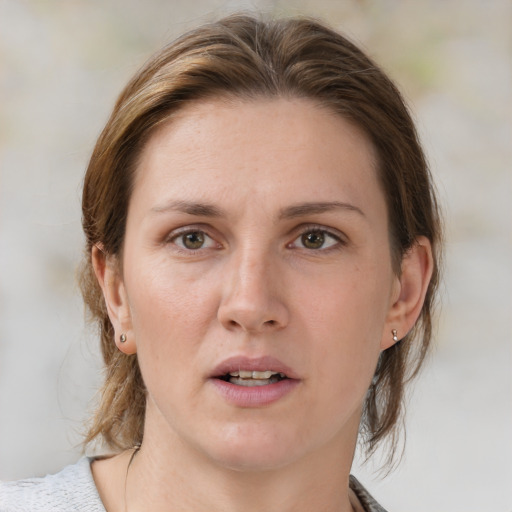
(412, 284)
(110, 279)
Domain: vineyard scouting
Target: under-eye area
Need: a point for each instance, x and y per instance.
(250, 378)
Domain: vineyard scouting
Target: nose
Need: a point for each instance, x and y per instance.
(253, 299)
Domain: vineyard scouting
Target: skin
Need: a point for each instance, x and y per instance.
(254, 288)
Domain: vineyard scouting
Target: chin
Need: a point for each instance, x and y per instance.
(251, 452)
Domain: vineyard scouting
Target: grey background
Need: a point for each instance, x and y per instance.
(62, 63)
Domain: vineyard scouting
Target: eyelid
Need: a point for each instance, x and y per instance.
(296, 233)
(195, 228)
(334, 233)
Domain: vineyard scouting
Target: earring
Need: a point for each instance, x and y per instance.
(395, 337)
(122, 338)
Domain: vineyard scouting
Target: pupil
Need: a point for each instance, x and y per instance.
(193, 240)
(313, 240)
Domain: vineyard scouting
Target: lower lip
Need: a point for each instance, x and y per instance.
(254, 396)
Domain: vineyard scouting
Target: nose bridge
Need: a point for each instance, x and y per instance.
(251, 268)
(249, 277)
(252, 298)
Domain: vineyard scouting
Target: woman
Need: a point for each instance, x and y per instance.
(262, 261)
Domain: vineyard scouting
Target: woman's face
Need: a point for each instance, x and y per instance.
(257, 241)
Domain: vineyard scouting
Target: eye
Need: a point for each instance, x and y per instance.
(316, 239)
(193, 240)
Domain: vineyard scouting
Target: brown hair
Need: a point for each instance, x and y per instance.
(246, 57)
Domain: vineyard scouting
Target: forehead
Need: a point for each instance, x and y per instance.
(222, 149)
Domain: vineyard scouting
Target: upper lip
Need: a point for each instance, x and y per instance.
(259, 364)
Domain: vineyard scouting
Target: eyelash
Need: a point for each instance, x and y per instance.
(308, 229)
(186, 231)
(315, 229)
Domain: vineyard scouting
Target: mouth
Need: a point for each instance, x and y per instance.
(254, 382)
(251, 378)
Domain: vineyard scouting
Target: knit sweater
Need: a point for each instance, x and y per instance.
(74, 490)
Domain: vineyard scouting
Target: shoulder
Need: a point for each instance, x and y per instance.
(365, 499)
(72, 489)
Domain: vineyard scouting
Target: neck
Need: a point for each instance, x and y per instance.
(180, 487)
(171, 476)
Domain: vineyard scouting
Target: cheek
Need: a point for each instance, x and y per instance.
(344, 315)
(352, 303)
(171, 310)
(171, 314)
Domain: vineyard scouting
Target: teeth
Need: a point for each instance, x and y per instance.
(253, 382)
(247, 374)
(254, 378)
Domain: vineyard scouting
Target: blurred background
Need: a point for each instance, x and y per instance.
(62, 64)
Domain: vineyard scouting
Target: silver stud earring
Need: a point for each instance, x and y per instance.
(395, 337)
(122, 338)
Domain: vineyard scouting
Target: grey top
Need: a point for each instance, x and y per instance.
(74, 490)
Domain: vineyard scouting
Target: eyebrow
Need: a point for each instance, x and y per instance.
(191, 208)
(290, 212)
(303, 209)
